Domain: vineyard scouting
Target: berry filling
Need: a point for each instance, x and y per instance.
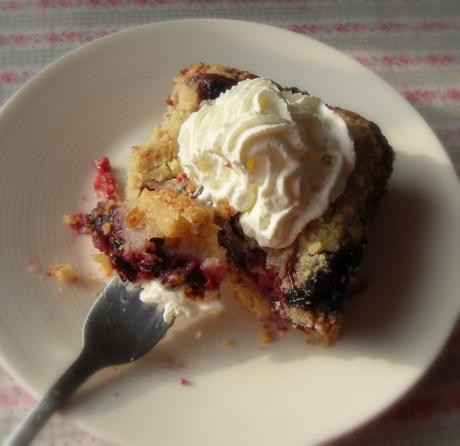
(322, 294)
(105, 184)
(106, 225)
(250, 263)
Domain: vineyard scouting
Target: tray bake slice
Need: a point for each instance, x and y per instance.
(163, 232)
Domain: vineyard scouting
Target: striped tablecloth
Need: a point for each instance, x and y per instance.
(413, 44)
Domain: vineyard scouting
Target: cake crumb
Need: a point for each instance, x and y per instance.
(103, 261)
(106, 228)
(228, 343)
(69, 219)
(63, 273)
(134, 218)
(199, 334)
(184, 382)
(77, 222)
(267, 334)
(315, 248)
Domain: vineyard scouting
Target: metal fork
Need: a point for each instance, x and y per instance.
(118, 329)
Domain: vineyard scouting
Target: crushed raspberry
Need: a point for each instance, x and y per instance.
(214, 275)
(105, 184)
(78, 222)
(184, 382)
(228, 164)
(267, 280)
(182, 177)
(148, 262)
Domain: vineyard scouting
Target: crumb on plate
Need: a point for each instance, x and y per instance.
(267, 334)
(63, 272)
(103, 261)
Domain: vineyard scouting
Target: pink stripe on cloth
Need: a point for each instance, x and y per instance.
(378, 27)
(408, 60)
(41, 5)
(21, 5)
(12, 77)
(51, 37)
(425, 95)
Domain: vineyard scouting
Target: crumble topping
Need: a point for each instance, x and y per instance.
(63, 273)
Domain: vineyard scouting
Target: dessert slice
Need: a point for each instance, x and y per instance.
(304, 284)
(289, 263)
(164, 235)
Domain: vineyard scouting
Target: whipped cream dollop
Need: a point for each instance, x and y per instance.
(173, 303)
(279, 158)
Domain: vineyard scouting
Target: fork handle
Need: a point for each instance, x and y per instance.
(54, 398)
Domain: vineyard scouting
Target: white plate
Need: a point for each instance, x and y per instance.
(105, 97)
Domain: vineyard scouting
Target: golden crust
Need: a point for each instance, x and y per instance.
(347, 220)
(318, 328)
(157, 159)
(170, 214)
(187, 225)
(248, 294)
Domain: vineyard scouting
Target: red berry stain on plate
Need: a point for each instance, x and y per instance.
(105, 184)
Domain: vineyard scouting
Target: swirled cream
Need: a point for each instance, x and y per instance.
(278, 158)
(173, 303)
